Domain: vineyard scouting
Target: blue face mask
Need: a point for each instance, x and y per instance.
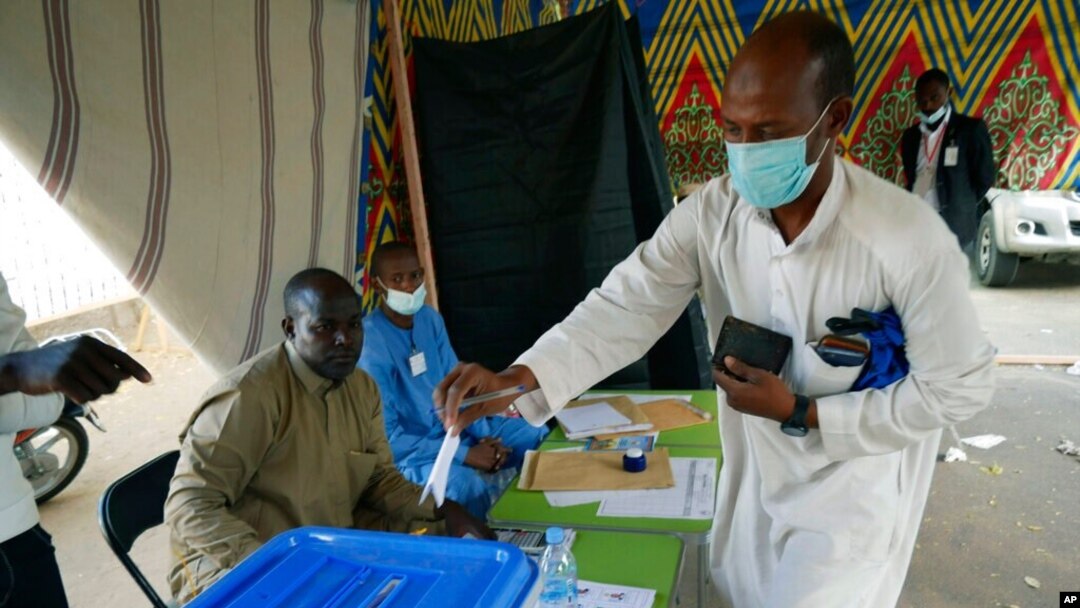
(929, 119)
(771, 174)
(403, 302)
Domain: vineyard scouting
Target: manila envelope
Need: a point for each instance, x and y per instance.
(665, 415)
(593, 471)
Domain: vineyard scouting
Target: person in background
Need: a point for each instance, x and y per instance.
(292, 437)
(33, 384)
(822, 488)
(948, 157)
(407, 352)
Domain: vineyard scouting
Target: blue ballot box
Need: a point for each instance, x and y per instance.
(332, 567)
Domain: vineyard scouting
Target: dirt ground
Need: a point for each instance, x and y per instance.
(982, 534)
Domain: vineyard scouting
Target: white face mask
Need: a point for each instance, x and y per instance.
(771, 174)
(928, 119)
(403, 302)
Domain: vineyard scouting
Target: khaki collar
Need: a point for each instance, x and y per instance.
(313, 382)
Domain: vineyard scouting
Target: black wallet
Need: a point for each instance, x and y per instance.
(752, 344)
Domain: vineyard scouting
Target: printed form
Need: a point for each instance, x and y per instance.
(602, 595)
(693, 497)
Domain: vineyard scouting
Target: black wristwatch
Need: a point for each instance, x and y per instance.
(796, 425)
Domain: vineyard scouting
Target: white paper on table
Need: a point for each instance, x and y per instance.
(638, 399)
(693, 497)
(590, 418)
(440, 473)
(602, 595)
(570, 498)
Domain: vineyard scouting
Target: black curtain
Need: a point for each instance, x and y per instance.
(543, 168)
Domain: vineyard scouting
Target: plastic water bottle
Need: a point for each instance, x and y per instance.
(558, 572)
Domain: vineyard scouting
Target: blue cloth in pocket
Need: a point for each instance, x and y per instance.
(887, 362)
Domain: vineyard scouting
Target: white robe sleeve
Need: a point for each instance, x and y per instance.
(951, 376)
(618, 322)
(18, 411)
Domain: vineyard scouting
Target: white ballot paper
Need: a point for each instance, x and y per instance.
(440, 473)
(587, 418)
(693, 497)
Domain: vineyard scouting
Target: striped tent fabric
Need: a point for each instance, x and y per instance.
(211, 149)
(1014, 63)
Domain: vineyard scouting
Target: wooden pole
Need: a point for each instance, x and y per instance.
(408, 141)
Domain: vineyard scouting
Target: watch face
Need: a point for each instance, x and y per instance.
(794, 430)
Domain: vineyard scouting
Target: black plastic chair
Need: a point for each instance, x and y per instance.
(132, 505)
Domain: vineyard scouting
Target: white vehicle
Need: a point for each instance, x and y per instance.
(1041, 225)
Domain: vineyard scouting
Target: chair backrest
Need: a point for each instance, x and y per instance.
(132, 505)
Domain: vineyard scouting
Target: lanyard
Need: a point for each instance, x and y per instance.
(417, 362)
(931, 155)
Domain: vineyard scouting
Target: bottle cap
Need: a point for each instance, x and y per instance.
(554, 536)
(634, 460)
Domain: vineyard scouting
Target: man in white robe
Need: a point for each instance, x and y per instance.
(791, 237)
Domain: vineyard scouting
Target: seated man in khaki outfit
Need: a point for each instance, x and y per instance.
(292, 437)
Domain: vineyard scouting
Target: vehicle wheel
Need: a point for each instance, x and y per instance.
(995, 267)
(52, 458)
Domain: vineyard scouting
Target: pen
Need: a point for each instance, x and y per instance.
(489, 396)
(697, 410)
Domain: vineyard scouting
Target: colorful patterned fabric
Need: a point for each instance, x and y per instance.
(1014, 63)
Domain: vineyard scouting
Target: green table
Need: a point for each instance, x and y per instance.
(520, 508)
(704, 435)
(652, 561)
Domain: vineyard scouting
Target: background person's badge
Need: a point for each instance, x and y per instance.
(417, 363)
(952, 155)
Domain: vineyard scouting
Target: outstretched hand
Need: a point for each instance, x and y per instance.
(83, 369)
(469, 379)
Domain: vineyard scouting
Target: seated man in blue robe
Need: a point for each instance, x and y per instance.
(407, 352)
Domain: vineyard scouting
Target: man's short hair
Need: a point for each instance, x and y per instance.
(933, 75)
(384, 250)
(299, 284)
(829, 42)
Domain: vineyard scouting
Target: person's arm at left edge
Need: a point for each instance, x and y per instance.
(390, 493)
(19, 411)
(33, 379)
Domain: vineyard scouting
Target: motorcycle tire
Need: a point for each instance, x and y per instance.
(81, 446)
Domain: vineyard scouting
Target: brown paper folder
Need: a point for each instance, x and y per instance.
(665, 415)
(593, 471)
